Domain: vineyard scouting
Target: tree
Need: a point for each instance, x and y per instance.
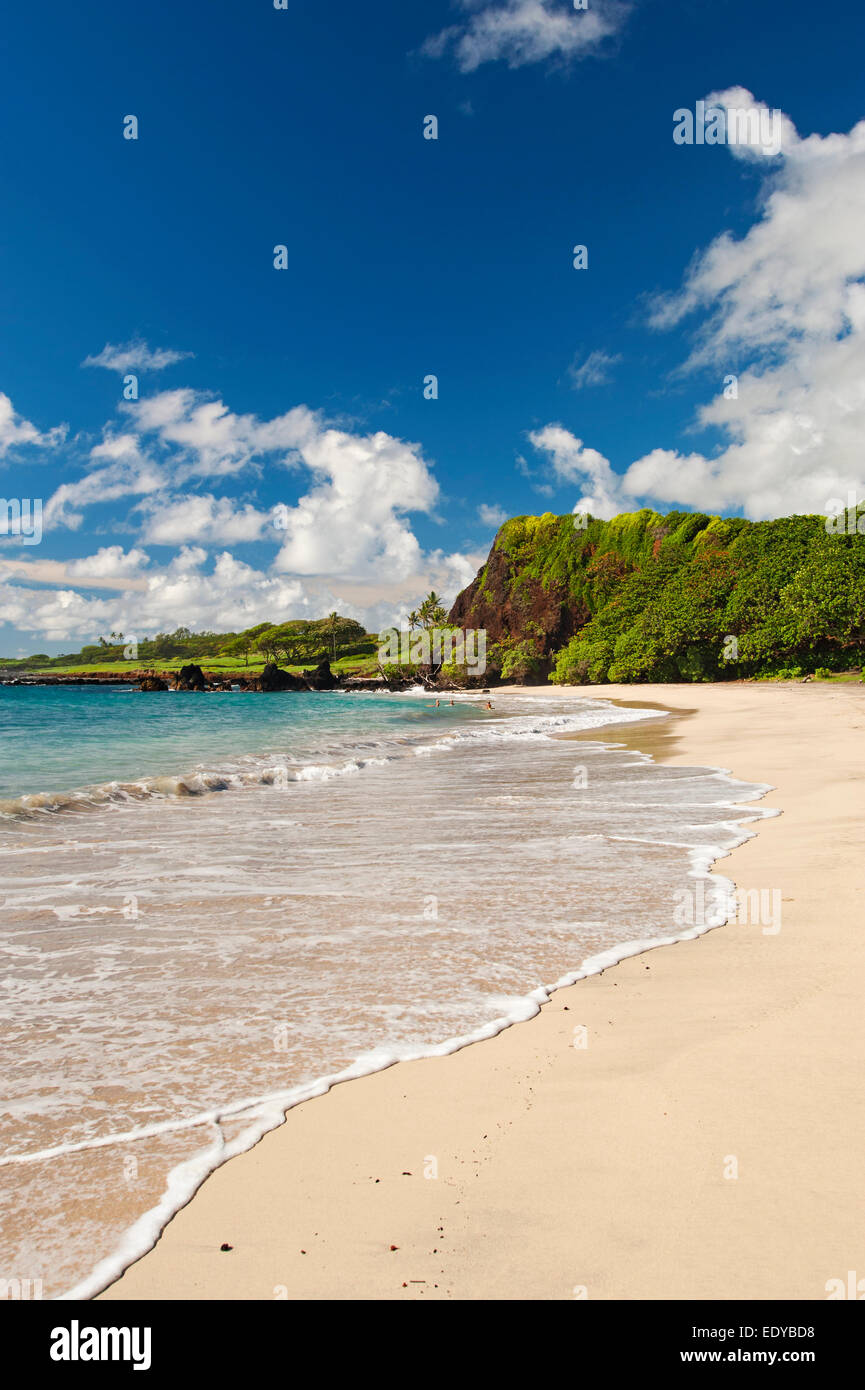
(332, 624)
(239, 646)
(432, 613)
(267, 642)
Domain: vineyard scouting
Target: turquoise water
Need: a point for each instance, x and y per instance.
(60, 739)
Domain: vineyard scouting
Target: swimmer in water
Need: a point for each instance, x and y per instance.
(489, 704)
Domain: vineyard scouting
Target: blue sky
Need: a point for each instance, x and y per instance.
(281, 458)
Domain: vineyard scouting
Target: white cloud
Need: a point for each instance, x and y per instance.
(748, 122)
(15, 430)
(527, 31)
(790, 277)
(228, 596)
(206, 519)
(135, 357)
(346, 543)
(210, 440)
(109, 562)
(122, 470)
(573, 462)
(595, 371)
(784, 314)
(380, 601)
(352, 521)
(108, 569)
(491, 514)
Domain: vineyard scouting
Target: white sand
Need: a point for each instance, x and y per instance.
(563, 1169)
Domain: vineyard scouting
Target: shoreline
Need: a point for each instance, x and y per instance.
(292, 1180)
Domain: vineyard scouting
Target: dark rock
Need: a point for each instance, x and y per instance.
(273, 678)
(153, 683)
(190, 678)
(322, 678)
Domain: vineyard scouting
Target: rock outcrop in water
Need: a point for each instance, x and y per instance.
(322, 678)
(153, 683)
(190, 677)
(274, 678)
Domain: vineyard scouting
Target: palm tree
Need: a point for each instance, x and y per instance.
(333, 620)
(432, 611)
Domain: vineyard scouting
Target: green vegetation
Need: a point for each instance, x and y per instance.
(302, 643)
(684, 596)
(297, 645)
(417, 656)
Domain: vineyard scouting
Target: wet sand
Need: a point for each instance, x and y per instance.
(705, 1143)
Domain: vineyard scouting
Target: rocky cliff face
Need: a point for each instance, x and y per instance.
(514, 607)
(669, 597)
(518, 608)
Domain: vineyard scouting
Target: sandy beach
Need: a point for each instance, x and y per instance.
(705, 1143)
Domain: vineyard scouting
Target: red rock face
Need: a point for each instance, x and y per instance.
(524, 611)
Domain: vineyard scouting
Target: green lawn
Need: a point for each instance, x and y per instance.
(224, 664)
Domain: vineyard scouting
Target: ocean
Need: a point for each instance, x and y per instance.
(215, 906)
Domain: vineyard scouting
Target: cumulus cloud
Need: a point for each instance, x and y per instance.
(783, 333)
(753, 130)
(595, 371)
(381, 601)
(121, 469)
(229, 596)
(135, 357)
(519, 32)
(352, 521)
(787, 301)
(491, 514)
(212, 441)
(574, 463)
(222, 595)
(15, 430)
(793, 276)
(109, 562)
(346, 543)
(205, 518)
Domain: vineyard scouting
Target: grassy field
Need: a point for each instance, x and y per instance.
(355, 665)
(350, 665)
